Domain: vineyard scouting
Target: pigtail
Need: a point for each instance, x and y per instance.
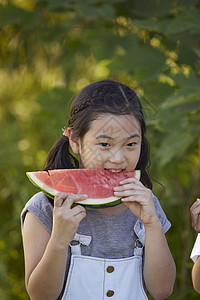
(59, 156)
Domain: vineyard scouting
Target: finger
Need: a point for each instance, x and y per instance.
(130, 180)
(78, 209)
(73, 198)
(195, 220)
(69, 199)
(129, 186)
(127, 193)
(134, 206)
(143, 194)
(80, 216)
(196, 209)
(195, 205)
(195, 214)
(133, 198)
(59, 199)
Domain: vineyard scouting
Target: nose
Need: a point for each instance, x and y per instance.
(117, 156)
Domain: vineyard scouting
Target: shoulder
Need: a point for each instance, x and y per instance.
(41, 208)
(161, 214)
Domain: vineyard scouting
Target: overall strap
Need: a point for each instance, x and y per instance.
(140, 233)
(79, 240)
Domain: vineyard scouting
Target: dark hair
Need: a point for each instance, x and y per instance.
(100, 97)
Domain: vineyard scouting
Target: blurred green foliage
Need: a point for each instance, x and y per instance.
(49, 49)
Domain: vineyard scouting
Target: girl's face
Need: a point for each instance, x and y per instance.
(113, 142)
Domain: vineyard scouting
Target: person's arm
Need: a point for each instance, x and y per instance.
(159, 266)
(195, 216)
(196, 275)
(45, 254)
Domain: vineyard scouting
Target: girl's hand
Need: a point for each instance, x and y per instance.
(195, 215)
(66, 218)
(138, 199)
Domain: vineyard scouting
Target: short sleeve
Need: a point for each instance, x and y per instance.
(162, 216)
(41, 208)
(196, 249)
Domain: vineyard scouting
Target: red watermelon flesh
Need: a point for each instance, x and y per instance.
(96, 183)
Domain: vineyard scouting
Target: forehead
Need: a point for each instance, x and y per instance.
(115, 125)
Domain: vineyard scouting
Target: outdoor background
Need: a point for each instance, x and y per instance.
(49, 50)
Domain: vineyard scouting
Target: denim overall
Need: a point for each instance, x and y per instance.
(93, 278)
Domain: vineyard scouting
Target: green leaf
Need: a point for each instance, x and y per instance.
(180, 24)
(59, 5)
(191, 80)
(174, 145)
(148, 24)
(156, 92)
(55, 100)
(187, 54)
(145, 62)
(187, 3)
(103, 43)
(107, 11)
(151, 8)
(11, 15)
(92, 12)
(184, 95)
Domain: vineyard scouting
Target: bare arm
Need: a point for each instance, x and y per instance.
(44, 261)
(45, 255)
(195, 215)
(159, 266)
(196, 275)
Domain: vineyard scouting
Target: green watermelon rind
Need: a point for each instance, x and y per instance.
(51, 193)
(88, 203)
(106, 202)
(99, 206)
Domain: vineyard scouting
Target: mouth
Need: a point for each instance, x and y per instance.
(115, 170)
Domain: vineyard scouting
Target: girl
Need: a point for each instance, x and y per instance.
(195, 215)
(71, 253)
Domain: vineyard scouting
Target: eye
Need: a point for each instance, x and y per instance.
(104, 145)
(131, 145)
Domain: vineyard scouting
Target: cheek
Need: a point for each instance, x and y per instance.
(139, 156)
(134, 158)
(92, 158)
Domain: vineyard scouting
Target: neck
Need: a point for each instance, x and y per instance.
(115, 210)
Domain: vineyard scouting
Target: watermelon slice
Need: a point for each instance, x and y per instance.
(97, 184)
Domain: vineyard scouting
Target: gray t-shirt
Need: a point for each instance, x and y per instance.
(113, 236)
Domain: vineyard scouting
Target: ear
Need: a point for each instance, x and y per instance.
(74, 142)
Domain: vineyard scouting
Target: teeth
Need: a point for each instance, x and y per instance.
(114, 171)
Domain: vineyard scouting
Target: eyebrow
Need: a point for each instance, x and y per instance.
(103, 136)
(133, 136)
